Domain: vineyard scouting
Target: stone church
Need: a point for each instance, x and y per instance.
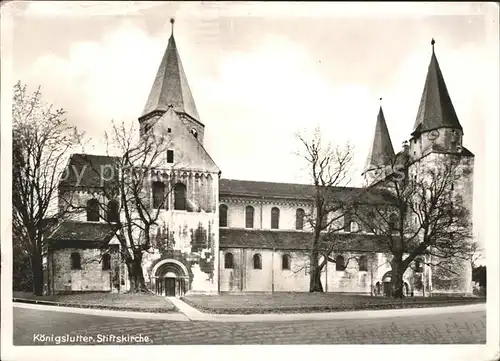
(225, 235)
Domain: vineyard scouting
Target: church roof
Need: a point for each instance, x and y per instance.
(84, 170)
(74, 234)
(381, 152)
(436, 109)
(170, 86)
(296, 240)
(299, 192)
(82, 231)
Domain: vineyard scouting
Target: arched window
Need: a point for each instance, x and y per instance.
(275, 218)
(194, 132)
(257, 261)
(106, 262)
(347, 222)
(339, 263)
(158, 195)
(363, 263)
(93, 210)
(180, 197)
(222, 215)
(113, 212)
(353, 227)
(75, 261)
(299, 219)
(249, 212)
(393, 222)
(418, 265)
(285, 262)
(228, 261)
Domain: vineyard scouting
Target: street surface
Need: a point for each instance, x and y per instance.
(39, 327)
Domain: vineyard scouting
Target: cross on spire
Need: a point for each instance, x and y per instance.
(432, 43)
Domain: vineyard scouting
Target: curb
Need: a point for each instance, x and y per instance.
(274, 317)
(95, 307)
(326, 309)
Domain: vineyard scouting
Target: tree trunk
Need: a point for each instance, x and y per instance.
(37, 271)
(136, 275)
(315, 274)
(397, 277)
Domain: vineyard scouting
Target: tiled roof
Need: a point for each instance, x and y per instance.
(82, 231)
(84, 170)
(295, 240)
(381, 152)
(436, 109)
(294, 191)
(170, 86)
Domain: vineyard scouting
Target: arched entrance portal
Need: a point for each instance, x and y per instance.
(170, 278)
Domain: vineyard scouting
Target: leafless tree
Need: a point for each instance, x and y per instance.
(125, 188)
(41, 140)
(328, 167)
(427, 219)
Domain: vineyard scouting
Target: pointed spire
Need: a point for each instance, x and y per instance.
(436, 109)
(381, 152)
(170, 86)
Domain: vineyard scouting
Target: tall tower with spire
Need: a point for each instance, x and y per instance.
(436, 145)
(171, 89)
(381, 153)
(188, 182)
(436, 127)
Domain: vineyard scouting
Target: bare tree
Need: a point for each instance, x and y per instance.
(128, 202)
(41, 139)
(426, 220)
(328, 168)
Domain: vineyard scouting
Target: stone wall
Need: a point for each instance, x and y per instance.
(91, 276)
(272, 277)
(191, 238)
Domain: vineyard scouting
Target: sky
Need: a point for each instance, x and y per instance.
(260, 72)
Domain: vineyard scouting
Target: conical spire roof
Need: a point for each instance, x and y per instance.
(436, 109)
(170, 87)
(381, 152)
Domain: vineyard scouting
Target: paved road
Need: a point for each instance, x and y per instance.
(38, 327)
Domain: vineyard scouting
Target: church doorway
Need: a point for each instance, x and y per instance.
(170, 279)
(170, 284)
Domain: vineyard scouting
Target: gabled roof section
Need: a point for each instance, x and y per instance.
(85, 235)
(299, 192)
(170, 86)
(189, 152)
(381, 152)
(436, 109)
(87, 170)
(83, 231)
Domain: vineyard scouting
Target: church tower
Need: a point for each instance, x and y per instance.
(436, 128)
(381, 155)
(171, 90)
(435, 143)
(184, 190)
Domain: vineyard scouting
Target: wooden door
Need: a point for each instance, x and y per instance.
(170, 286)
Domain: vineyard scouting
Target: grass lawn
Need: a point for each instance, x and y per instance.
(113, 301)
(313, 302)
